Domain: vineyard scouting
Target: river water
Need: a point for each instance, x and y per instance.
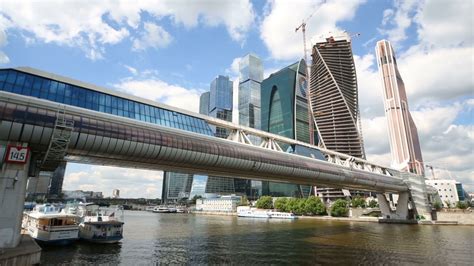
(151, 238)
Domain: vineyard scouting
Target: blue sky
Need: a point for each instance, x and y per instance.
(171, 50)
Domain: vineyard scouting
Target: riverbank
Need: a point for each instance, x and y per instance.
(444, 218)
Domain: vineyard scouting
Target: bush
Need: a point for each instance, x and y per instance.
(340, 208)
(294, 205)
(448, 203)
(358, 202)
(265, 202)
(438, 205)
(373, 204)
(314, 206)
(281, 204)
(462, 205)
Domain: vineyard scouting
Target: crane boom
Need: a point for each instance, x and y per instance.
(302, 26)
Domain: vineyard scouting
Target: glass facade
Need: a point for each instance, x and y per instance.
(15, 81)
(204, 103)
(251, 75)
(176, 186)
(284, 111)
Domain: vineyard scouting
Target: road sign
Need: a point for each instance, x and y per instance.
(17, 154)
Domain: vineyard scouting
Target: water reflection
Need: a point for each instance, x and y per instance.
(195, 239)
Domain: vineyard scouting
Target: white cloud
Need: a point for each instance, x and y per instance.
(154, 36)
(399, 20)
(149, 86)
(282, 17)
(233, 70)
(446, 23)
(132, 183)
(3, 42)
(99, 23)
(132, 70)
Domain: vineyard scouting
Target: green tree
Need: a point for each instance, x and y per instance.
(244, 201)
(193, 200)
(281, 204)
(438, 205)
(461, 205)
(373, 204)
(292, 205)
(265, 202)
(314, 206)
(357, 202)
(340, 208)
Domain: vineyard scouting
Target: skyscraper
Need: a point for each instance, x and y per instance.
(284, 106)
(251, 76)
(403, 135)
(220, 102)
(204, 103)
(334, 95)
(176, 186)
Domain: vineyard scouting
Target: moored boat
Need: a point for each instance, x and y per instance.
(99, 225)
(48, 224)
(244, 211)
(165, 209)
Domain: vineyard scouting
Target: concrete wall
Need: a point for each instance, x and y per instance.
(461, 217)
(13, 179)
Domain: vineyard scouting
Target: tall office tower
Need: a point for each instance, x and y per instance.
(204, 103)
(404, 143)
(251, 76)
(56, 185)
(220, 102)
(220, 106)
(334, 95)
(285, 112)
(176, 186)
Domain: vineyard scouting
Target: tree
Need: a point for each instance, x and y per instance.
(438, 205)
(373, 204)
(461, 205)
(357, 202)
(281, 204)
(340, 208)
(314, 206)
(265, 202)
(292, 205)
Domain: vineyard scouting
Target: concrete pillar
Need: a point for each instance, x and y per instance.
(402, 206)
(384, 206)
(13, 179)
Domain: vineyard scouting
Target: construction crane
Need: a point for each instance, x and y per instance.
(302, 26)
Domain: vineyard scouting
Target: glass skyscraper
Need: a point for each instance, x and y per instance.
(284, 107)
(220, 102)
(204, 103)
(176, 186)
(251, 76)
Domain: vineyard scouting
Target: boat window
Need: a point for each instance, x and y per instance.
(56, 222)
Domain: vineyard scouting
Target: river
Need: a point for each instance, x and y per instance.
(151, 238)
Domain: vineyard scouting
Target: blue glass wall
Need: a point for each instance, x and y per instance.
(15, 81)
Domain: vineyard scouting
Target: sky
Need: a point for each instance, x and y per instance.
(170, 51)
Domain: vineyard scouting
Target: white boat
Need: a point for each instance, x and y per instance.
(244, 211)
(164, 209)
(99, 225)
(150, 208)
(281, 215)
(47, 224)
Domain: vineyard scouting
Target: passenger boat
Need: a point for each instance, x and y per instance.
(99, 225)
(281, 215)
(48, 224)
(164, 209)
(244, 211)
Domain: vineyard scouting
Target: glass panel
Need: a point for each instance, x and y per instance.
(11, 76)
(3, 75)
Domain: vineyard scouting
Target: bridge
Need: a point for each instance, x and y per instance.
(58, 119)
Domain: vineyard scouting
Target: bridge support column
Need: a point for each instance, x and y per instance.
(13, 179)
(401, 212)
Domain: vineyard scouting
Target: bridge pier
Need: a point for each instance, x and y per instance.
(401, 212)
(13, 179)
